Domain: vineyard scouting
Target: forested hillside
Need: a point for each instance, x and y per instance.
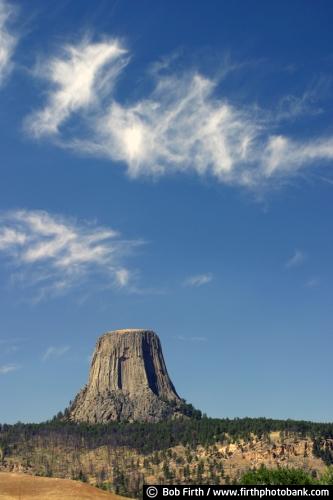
(123, 456)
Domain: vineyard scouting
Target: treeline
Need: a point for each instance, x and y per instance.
(149, 437)
(284, 476)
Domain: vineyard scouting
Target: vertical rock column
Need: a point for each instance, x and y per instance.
(128, 380)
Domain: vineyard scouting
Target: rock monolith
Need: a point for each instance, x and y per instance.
(128, 381)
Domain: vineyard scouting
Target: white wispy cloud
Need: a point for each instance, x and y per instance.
(198, 280)
(55, 253)
(78, 79)
(182, 125)
(285, 156)
(55, 352)
(123, 277)
(7, 39)
(4, 369)
(296, 259)
(291, 106)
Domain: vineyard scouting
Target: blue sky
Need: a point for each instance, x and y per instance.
(168, 165)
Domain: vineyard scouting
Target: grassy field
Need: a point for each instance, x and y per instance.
(18, 486)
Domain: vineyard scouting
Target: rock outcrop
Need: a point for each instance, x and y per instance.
(128, 380)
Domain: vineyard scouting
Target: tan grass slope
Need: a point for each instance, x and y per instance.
(19, 486)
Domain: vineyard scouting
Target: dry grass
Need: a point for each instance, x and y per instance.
(18, 486)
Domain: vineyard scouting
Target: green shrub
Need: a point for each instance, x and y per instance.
(327, 477)
(280, 476)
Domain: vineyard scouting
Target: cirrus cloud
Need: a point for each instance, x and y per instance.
(55, 254)
(7, 39)
(55, 352)
(77, 80)
(182, 125)
(198, 280)
(4, 369)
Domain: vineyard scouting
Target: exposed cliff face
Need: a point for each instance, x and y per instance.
(128, 380)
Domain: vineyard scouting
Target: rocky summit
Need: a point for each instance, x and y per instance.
(128, 381)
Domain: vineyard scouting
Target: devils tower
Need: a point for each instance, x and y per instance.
(128, 380)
